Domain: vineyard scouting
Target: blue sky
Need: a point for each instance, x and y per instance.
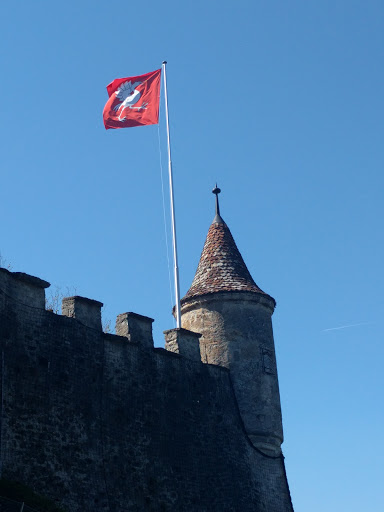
(279, 102)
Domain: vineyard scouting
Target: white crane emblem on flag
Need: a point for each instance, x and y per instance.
(129, 96)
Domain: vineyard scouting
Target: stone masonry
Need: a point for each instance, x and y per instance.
(106, 422)
(233, 316)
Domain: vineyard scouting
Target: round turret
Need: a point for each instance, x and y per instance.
(233, 315)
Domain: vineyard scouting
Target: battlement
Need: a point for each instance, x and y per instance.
(19, 290)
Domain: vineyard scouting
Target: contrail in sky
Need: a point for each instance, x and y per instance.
(346, 326)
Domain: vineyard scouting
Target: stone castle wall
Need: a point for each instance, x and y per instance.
(109, 423)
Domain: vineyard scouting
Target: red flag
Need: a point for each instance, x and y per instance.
(133, 101)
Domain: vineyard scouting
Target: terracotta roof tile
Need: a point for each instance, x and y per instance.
(221, 266)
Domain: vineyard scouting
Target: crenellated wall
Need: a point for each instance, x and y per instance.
(107, 422)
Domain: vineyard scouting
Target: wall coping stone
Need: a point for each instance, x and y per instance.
(130, 314)
(84, 300)
(27, 278)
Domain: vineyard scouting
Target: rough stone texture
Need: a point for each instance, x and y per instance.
(183, 342)
(234, 317)
(23, 288)
(98, 422)
(87, 311)
(221, 266)
(237, 333)
(137, 328)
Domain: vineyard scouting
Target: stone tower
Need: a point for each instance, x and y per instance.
(233, 315)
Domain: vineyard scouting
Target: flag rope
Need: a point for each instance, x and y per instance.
(164, 212)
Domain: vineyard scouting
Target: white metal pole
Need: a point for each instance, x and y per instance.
(176, 266)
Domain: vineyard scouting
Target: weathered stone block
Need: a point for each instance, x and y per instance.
(137, 328)
(87, 311)
(24, 288)
(183, 342)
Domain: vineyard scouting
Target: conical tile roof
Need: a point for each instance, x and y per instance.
(221, 267)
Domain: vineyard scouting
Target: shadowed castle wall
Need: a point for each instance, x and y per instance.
(105, 422)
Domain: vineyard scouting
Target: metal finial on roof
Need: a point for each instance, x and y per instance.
(217, 191)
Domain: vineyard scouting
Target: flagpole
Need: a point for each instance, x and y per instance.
(176, 267)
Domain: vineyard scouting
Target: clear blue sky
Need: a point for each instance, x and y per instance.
(281, 103)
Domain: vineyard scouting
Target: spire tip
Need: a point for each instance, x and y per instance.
(217, 191)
